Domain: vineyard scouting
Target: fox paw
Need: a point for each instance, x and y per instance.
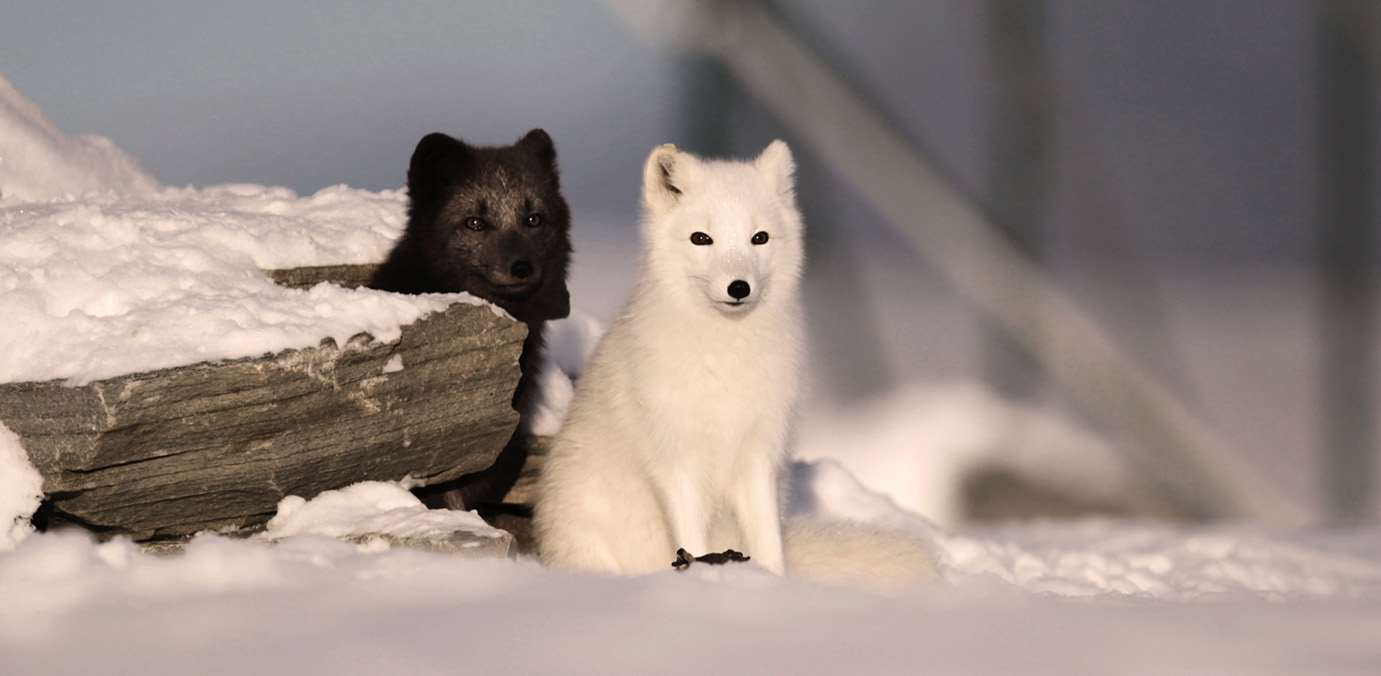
(684, 558)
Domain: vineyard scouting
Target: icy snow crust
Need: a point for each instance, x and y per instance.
(109, 285)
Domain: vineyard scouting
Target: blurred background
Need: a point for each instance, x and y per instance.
(1153, 223)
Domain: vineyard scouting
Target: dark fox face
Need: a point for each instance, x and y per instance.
(491, 221)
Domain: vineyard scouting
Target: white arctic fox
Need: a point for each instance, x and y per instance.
(678, 430)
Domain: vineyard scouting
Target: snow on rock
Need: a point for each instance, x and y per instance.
(21, 490)
(114, 285)
(372, 508)
(103, 273)
(39, 163)
(276, 228)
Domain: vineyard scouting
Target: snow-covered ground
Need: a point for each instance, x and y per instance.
(94, 257)
(1084, 599)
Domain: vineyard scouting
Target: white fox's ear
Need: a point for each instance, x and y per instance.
(776, 164)
(665, 176)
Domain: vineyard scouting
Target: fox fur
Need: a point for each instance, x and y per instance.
(678, 431)
(490, 221)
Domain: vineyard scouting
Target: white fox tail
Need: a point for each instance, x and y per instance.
(850, 554)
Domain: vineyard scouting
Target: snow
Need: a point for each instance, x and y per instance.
(1108, 558)
(21, 490)
(104, 272)
(37, 162)
(554, 392)
(1099, 559)
(371, 508)
(394, 364)
(107, 286)
(1088, 598)
(917, 443)
(567, 345)
(570, 341)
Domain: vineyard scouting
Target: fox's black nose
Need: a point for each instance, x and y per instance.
(521, 269)
(739, 289)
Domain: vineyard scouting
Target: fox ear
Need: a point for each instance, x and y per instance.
(540, 145)
(664, 177)
(777, 165)
(437, 162)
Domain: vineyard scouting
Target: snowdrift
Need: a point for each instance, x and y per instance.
(38, 162)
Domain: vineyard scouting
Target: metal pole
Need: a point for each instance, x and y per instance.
(1346, 256)
(1021, 165)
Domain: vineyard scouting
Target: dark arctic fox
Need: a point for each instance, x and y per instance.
(490, 221)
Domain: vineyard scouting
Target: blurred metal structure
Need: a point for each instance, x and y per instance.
(1021, 164)
(1178, 451)
(1347, 259)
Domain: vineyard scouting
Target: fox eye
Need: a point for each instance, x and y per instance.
(760, 237)
(700, 239)
(534, 220)
(476, 223)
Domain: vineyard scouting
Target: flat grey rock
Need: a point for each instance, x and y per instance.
(348, 276)
(215, 446)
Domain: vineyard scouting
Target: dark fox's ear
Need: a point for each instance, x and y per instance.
(540, 145)
(437, 162)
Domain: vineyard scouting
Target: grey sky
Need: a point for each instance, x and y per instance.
(1184, 126)
(311, 94)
